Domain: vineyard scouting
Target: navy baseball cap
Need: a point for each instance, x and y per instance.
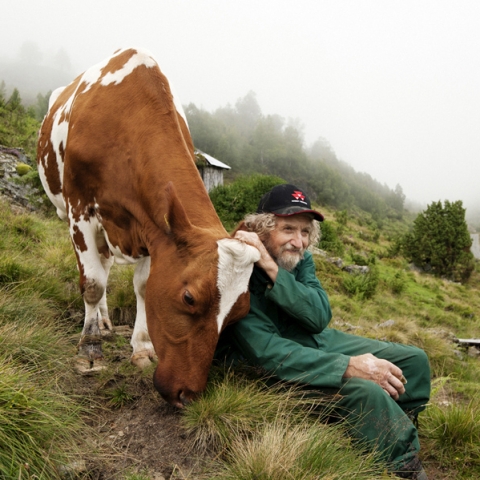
(286, 200)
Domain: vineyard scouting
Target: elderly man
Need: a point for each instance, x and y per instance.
(382, 384)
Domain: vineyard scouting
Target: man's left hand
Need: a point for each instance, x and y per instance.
(382, 372)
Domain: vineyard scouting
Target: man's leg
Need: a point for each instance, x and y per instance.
(411, 360)
(373, 416)
(377, 421)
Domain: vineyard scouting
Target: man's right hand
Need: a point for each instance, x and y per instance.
(380, 371)
(266, 262)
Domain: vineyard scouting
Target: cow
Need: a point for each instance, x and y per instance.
(116, 159)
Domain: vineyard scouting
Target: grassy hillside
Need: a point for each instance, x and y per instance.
(239, 429)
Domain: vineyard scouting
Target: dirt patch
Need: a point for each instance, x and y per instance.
(143, 435)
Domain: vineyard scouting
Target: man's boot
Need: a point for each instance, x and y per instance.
(413, 470)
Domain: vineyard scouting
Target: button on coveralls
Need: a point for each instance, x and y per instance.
(286, 332)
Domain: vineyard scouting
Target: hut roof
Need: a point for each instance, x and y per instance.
(206, 159)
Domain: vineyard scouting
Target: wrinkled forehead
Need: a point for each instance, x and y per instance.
(300, 220)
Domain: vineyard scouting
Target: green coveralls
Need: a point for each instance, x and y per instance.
(286, 332)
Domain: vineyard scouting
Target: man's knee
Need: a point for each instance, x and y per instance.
(364, 394)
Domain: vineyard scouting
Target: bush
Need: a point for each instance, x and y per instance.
(440, 242)
(232, 202)
(329, 240)
(398, 283)
(361, 286)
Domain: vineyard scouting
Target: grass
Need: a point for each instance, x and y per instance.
(271, 433)
(246, 429)
(38, 426)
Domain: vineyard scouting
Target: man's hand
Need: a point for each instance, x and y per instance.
(382, 372)
(266, 262)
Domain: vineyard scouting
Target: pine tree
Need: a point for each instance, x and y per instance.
(440, 242)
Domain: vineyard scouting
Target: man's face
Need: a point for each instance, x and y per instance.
(289, 240)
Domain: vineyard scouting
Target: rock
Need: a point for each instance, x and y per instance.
(83, 366)
(363, 269)
(388, 323)
(13, 164)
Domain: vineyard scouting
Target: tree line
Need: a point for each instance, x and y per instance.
(19, 124)
(253, 143)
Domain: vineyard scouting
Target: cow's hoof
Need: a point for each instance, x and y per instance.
(105, 324)
(143, 359)
(84, 366)
(106, 334)
(90, 347)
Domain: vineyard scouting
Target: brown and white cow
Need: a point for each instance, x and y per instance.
(116, 159)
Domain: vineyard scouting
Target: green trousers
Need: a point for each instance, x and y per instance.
(373, 417)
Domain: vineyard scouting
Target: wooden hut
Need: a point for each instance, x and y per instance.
(211, 169)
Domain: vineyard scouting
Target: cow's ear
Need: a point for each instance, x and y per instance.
(240, 226)
(177, 223)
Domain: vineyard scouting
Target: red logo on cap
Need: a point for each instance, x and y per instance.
(297, 195)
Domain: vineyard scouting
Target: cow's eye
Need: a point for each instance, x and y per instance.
(188, 298)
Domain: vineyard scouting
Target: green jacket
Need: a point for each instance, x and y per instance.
(286, 331)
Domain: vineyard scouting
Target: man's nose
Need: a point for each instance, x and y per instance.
(296, 240)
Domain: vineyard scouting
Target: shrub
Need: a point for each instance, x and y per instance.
(329, 240)
(361, 286)
(440, 242)
(398, 283)
(232, 202)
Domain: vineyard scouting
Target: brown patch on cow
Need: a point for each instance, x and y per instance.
(118, 62)
(104, 250)
(52, 173)
(79, 239)
(64, 116)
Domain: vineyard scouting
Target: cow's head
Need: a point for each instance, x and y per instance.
(198, 284)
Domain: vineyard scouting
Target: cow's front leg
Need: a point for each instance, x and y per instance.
(143, 352)
(90, 345)
(94, 262)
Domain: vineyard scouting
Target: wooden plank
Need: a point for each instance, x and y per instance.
(470, 341)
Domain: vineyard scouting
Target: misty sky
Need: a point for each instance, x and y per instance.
(394, 86)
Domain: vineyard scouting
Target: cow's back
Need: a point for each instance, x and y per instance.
(111, 142)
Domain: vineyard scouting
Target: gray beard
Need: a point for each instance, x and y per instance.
(287, 261)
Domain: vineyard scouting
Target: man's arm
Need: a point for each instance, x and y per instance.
(260, 342)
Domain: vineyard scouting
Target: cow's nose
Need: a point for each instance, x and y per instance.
(187, 397)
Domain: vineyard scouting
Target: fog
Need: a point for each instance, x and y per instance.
(393, 86)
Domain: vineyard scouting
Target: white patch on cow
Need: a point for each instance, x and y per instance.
(235, 265)
(120, 257)
(54, 95)
(89, 258)
(58, 136)
(140, 339)
(142, 57)
(178, 105)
